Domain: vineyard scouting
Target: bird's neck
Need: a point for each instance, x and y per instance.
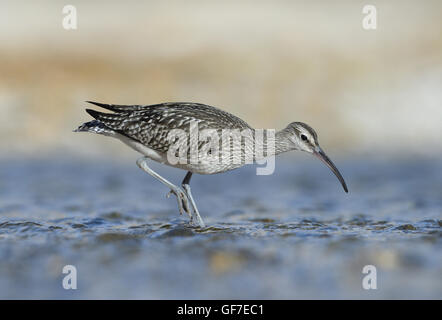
(282, 143)
(273, 144)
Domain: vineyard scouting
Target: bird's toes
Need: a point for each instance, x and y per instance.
(180, 205)
(183, 201)
(185, 204)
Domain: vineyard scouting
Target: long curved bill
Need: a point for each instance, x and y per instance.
(323, 157)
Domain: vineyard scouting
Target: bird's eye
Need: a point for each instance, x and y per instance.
(303, 137)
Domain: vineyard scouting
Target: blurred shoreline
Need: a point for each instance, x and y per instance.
(268, 63)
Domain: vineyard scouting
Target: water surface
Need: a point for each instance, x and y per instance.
(294, 234)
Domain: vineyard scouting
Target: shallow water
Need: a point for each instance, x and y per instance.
(294, 234)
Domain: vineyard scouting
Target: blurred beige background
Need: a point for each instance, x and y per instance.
(269, 62)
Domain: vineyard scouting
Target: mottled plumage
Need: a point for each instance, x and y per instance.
(151, 124)
(147, 128)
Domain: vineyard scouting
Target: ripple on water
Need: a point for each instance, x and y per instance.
(129, 242)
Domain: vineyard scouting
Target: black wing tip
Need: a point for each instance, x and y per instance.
(99, 104)
(107, 106)
(94, 113)
(93, 102)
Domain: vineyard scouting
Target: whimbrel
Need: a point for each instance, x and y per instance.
(147, 129)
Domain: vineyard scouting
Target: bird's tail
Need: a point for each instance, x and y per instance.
(95, 126)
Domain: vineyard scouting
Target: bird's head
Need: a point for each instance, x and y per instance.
(302, 137)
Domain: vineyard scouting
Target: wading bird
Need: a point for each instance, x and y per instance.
(146, 129)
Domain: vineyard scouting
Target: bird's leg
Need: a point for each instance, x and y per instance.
(183, 201)
(186, 186)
